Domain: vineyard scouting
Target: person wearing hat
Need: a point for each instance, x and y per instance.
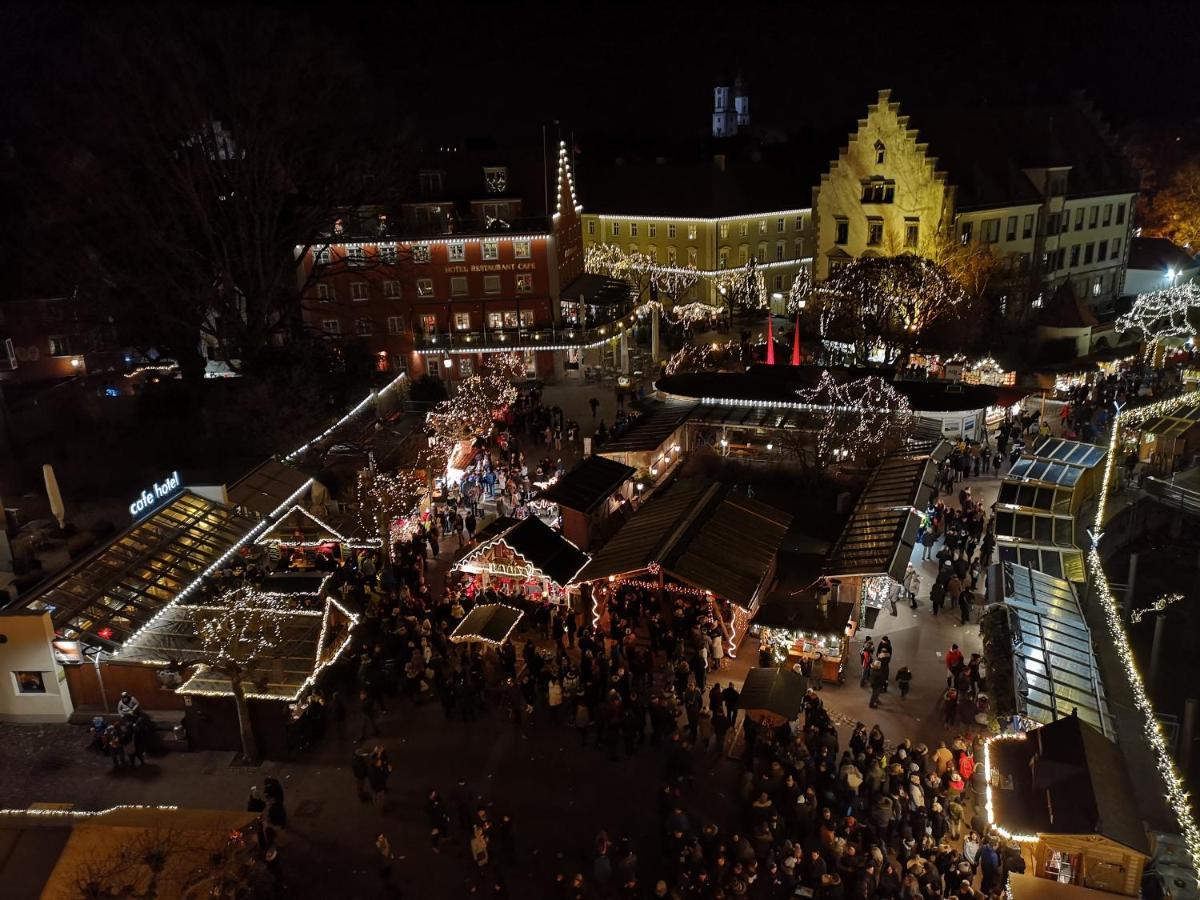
(128, 705)
(878, 682)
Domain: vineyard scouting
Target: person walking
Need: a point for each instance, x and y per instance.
(730, 696)
(865, 658)
(928, 539)
(367, 705)
(378, 771)
(595, 405)
(964, 605)
(276, 811)
(878, 682)
(903, 680)
(383, 849)
(912, 584)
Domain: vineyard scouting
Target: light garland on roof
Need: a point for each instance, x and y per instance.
(987, 774)
(605, 217)
(455, 638)
(1176, 794)
(358, 407)
(1157, 606)
(246, 626)
(83, 813)
(216, 566)
(565, 174)
(367, 543)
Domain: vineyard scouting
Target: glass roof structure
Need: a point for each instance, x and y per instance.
(1064, 451)
(125, 584)
(1046, 499)
(1175, 424)
(1054, 663)
(1037, 528)
(1054, 561)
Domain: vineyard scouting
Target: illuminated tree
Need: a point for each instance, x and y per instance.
(744, 287)
(862, 419)
(888, 303)
(1174, 212)
(241, 628)
(469, 414)
(385, 497)
(800, 291)
(638, 270)
(972, 265)
(1163, 314)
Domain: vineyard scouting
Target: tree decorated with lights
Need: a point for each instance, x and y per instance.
(743, 287)
(241, 627)
(469, 414)
(1160, 315)
(862, 419)
(888, 302)
(638, 270)
(385, 498)
(800, 291)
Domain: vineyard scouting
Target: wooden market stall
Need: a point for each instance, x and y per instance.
(590, 499)
(524, 559)
(697, 539)
(772, 696)
(1064, 791)
(488, 623)
(1168, 443)
(808, 625)
(300, 541)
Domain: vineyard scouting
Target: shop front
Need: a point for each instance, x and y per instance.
(813, 625)
(525, 560)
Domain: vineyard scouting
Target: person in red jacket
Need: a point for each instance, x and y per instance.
(954, 662)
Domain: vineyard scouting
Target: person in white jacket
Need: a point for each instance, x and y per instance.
(912, 584)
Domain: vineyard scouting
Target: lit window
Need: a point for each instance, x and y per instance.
(387, 254)
(420, 253)
(331, 326)
(490, 250)
(354, 256)
(1010, 230)
(692, 256)
(672, 256)
(462, 321)
(762, 226)
(591, 229)
(692, 229)
(456, 252)
(724, 231)
(521, 249)
(495, 320)
(524, 283)
(743, 228)
(60, 345)
(964, 233)
(880, 153)
(723, 258)
(491, 284)
(424, 287)
(495, 179)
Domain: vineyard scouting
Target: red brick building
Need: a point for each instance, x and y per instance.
(43, 340)
(470, 258)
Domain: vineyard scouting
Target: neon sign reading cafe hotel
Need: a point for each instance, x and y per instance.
(155, 495)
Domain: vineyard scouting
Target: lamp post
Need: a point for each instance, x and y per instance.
(728, 306)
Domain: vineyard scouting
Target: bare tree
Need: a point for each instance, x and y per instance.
(195, 159)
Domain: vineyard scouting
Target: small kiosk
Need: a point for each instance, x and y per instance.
(300, 541)
(525, 559)
(806, 626)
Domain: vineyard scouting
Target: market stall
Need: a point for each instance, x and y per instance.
(300, 541)
(525, 559)
(811, 625)
(489, 623)
(772, 696)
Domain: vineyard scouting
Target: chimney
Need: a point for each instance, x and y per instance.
(719, 161)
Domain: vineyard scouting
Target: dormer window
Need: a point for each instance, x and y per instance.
(878, 190)
(880, 153)
(495, 178)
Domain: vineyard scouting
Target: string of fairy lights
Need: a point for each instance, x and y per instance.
(859, 416)
(1176, 794)
(1159, 605)
(1162, 314)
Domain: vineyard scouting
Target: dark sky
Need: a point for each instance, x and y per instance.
(650, 68)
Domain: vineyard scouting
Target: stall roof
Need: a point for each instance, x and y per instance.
(267, 487)
(650, 429)
(727, 415)
(1036, 527)
(299, 523)
(701, 533)
(882, 531)
(490, 623)
(1061, 450)
(1056, 561)
(539, 545)
(1054, 661)
(589, 484)
(1035, 497)
(142, 570)
(1065, 778)
(779, 692)
(802, 613)
(310, 639)
(1174, 424)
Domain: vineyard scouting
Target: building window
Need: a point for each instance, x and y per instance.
(391, 289)
(841, 231)
(743, 229)
(672, 256)
(779, 226)
(723, 258)
(671, 230)
(1116, 251)
(430, 182)
(362, 326)
(652, 230)
(1089, 253)
(877, 190)
(30, 682)
(1108, 210)
(1120, 213)
(456, 252)
(652, 253)
(429, 323)
(458, 286)
(420, 253)
(1010, 231)
(521, 249)
(799, 222)
(387, 254)
(491, 284)
(777, 283)
(633, 229)
(874, 232)
(743, 254)
(495, 179)
(798, 248)
(395, 324)
(990, 231)
(761, 255)
(1052, 223)
(489, 250)
(462, 321)
(614, 228)
(1066, 222)
(355, 256)
(424, 287)
(331, 327)
(1074, 255)
(358, 291)
(524, 283)
(325, 293)
(1093, 217)
(964, 233)
(321, 256)
(495, 320)
(510, 318)
(60, 345)
(762, 226)
(1079, 219)
(692, 232)
(693, 256)
(1027, 227)
(527, 318)
(880, 153)
(780, 250)
(1102, 251)
(591, 228)
(912, 234)
(1097, 285)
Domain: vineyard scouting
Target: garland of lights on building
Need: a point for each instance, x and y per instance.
(1176, 795)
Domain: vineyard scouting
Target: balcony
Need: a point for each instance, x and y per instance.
(548, 337)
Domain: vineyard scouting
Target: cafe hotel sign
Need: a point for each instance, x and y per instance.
(156, 496)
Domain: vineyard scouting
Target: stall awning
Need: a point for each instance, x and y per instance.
(589, 484)
(650, 430)
(539, 548)
(1053, 660)
(490, 623)
(882, 531)
(772, 694)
